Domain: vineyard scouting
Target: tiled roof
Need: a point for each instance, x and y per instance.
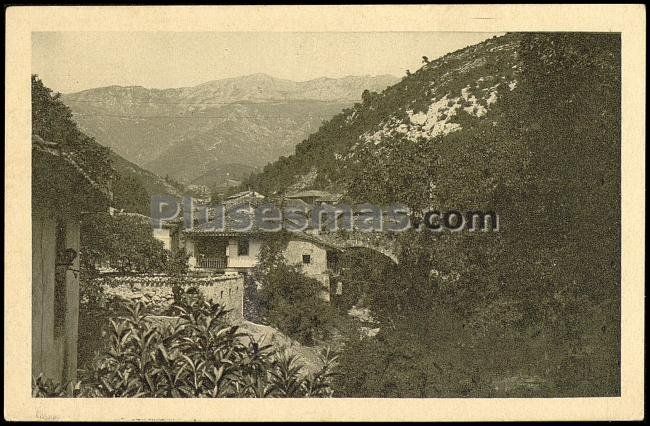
(296, 203)
(229, 228)
(53, 149)
(246, 194)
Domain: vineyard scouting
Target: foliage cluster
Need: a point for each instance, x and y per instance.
(537, 300)
(288, 300)
(195, 354)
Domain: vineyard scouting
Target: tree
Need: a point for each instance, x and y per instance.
(288, 299)
(177, 264)
(293, 303)
(124, 241)
(52, 121)
(130, 195)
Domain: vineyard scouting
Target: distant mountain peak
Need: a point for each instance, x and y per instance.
(187, 132)
(375, 82)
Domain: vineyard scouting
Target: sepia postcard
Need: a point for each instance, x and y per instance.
(296, 213)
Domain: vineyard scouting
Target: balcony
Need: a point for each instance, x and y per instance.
(212, 262)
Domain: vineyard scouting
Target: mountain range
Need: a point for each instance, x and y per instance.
(186, 133)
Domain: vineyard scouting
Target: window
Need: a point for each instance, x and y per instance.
(242, 248)
(306, 259)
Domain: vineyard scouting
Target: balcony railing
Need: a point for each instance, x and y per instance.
(213, 262)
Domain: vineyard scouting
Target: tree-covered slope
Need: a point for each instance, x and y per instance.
(430, 102)
(131, 186)
(526, 125)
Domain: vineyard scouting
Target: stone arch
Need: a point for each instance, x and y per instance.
(387, 254)
(353, 240)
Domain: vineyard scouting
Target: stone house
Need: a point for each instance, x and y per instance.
(228, 250)
(214, 252)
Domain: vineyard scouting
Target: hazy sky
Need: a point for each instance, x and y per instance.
(73, 61)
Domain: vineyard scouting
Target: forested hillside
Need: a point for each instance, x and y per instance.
(132, 186)
(527, 125)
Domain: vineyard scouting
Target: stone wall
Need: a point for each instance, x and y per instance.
(156, 290)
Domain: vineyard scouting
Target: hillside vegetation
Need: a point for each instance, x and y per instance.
(132, 186)
(527, 125)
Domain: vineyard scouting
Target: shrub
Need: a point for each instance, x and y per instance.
(177, 263)
(43, 387)
(124, 241)
(287, 299)
(195, 355)
(294, 303)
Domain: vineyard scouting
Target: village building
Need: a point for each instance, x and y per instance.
(167, 233)
(219, 252)
(228, 251)
(244, 196)
(62, 192)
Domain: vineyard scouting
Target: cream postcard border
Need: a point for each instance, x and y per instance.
(629, 20)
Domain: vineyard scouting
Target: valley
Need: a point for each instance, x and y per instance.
(186, 133)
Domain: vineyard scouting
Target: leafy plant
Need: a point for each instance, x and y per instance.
(196, 355)
(289, 300)
(43, 387)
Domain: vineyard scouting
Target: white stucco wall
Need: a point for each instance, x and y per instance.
(164, 236)
(316, 268)
(54, 320)
(249, 261)
(318, 256)
(293, 253)
(189, 248)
